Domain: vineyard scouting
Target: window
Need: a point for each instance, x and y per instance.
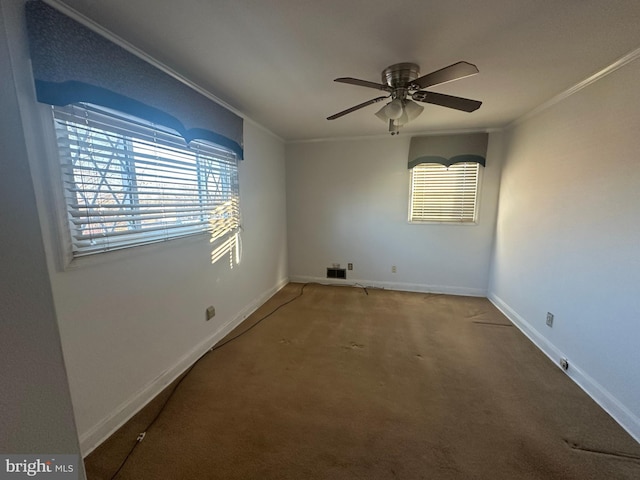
(444, 194)
(129, 183)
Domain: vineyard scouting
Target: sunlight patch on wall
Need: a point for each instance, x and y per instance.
(225, 232)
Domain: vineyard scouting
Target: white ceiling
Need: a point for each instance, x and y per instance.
(275, 60)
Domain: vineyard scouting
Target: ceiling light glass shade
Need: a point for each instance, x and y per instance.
(398, 112)
(391, 111)
(412, 109)
(394, 109)
(382, 115)
(404, 118)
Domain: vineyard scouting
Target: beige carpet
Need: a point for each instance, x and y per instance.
(341, 384)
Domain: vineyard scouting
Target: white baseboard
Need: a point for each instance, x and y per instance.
(619, 412)
(404, 287)
(93, 437)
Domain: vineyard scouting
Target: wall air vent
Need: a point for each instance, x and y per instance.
(336, 273)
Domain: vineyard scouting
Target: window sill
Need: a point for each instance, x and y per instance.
(453, 224)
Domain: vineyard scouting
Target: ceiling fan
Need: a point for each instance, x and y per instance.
(403, 80)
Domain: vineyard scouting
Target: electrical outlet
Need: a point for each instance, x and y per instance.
(564, 364)
(549, 319)
(349, 266)
(393, 269)
(211, 312)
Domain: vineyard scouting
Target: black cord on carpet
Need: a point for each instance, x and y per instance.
(186, 373)
(628, 456)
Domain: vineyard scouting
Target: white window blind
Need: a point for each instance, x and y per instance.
(129, 183)
(444, 194)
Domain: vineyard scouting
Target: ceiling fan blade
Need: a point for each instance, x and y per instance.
(363, 83)
(459, 103)
(446, 74)
(357, 107)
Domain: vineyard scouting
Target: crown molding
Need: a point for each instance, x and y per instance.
(621, 62)
(401, 134)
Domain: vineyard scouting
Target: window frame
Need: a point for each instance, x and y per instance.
(60, 220)
(476, 218)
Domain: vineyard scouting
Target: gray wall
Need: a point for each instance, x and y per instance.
(130, 321)
(568, 237)
(36, 415)
(347, 201)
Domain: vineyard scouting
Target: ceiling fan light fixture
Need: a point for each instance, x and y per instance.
(394, 109)
(410, 111)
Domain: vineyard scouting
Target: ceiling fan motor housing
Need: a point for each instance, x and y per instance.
(400, 75)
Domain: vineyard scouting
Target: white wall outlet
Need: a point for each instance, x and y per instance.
(394, 269)
(549, 319)
(564, 364)
(211, 312)
(349, 266)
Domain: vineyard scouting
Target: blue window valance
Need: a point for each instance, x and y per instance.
(448, 149)
(73, 64)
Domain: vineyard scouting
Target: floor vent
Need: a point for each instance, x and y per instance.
(336, 273)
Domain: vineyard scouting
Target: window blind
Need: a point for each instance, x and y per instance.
(130, 183)
(444, 194)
